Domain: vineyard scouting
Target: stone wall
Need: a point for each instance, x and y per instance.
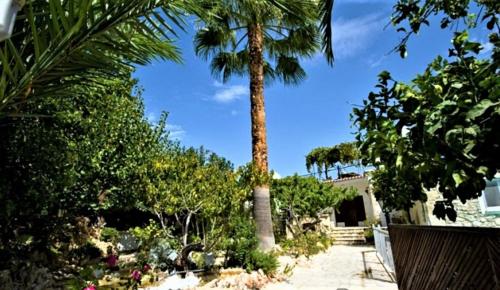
(468, 214)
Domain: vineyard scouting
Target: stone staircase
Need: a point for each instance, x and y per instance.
(348, 235)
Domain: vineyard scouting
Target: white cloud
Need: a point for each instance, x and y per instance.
(227, 94)
(352, 36)
(276, 175)
(218, 84)
(175, 132)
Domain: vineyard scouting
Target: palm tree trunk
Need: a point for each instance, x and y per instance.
(262, 202)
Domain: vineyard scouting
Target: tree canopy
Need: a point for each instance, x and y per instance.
(60, 47)
(439, 130)
(322, 159)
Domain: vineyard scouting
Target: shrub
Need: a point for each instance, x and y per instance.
(110, 235)
(150, 235)
(162, 254)
(260, 260)
(240, 241)
(85, 254)
(369, 223)
(307, 244)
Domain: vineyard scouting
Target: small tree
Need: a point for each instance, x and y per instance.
(441, 129)
(325, 158)
(304, 197)
(264, 40)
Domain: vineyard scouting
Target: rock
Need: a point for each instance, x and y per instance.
(127, 242)
(476, 223)
(209, 259)
(176, 282)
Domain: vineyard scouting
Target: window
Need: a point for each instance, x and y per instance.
(490, 199)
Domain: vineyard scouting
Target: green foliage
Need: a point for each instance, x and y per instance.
(369, 223)
(192, 184)
(307, 197)
(79, 154)
(411, 16)
(268, 262)
(307, 244)
(57, 44)
(151, 234)
(290, 31)
(110, 235)
(249, 176)
(324, 158)
(240, 241)
(440, 130)
(88, 253)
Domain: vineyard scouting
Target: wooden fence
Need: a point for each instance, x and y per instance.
(434, 258)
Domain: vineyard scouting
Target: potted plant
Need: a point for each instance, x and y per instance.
(8, 12)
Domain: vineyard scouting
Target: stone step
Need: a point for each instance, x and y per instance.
(349, 243)
(348, 228)
(348, 236)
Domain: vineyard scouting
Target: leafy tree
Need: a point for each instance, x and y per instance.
(307, 197)
(440, 130)
(191, 184)
(324, 158)
(57, 44)
(74, 156)
(259, 39)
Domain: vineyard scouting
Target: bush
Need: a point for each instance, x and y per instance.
(240, 241)
(86, 254)
(110, 235)
(161, 255)
(150, 235)
(307, 244)
(369, 223)
(260, 260)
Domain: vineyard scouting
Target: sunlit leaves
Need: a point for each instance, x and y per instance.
(450, 114)
(57, 44)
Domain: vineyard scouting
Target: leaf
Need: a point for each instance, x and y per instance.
(457, 177)
(451, 214)
(399, 161)
(480, 108)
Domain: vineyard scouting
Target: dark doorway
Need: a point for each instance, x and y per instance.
(351, 212)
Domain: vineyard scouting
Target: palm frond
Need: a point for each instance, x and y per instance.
(302, 41)
(211, 40)
(55, 40)
(226, 64)
(288, 69)
(326, 18)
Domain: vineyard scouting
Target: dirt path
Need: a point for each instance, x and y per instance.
(341, 267)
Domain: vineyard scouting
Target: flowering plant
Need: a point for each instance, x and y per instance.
(90, 286)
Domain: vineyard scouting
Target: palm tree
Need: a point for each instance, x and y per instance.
(57, 44)
(264, 39)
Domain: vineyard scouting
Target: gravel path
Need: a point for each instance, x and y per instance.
(341, 267)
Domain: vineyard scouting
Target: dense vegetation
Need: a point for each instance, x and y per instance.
(323, 159)
(441, 129)
(266, 42)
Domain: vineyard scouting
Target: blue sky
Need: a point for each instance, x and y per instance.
(205, 112)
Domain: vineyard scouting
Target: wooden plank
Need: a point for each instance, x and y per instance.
(430, 257)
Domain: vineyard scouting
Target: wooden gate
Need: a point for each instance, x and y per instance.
(434, 258)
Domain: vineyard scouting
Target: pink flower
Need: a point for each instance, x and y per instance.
(146, 268)
(112, 261)
(136, 275)
(90, 287)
